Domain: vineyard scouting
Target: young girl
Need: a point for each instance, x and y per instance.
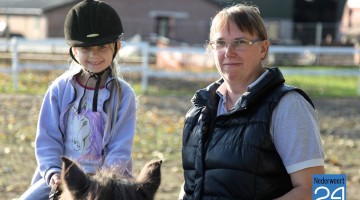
(88, 113)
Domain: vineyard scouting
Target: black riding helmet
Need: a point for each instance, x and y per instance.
(92, 23)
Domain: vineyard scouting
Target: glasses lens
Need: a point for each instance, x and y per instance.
(219, 44)
(238, 45)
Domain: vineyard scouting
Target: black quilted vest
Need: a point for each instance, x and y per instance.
(232, 156)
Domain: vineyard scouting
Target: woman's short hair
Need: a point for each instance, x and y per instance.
(246, 17)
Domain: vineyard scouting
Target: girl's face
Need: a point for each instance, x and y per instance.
(242, 65)
(95, 58)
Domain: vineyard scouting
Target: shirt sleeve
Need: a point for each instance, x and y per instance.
(49, 138)
(295, 132)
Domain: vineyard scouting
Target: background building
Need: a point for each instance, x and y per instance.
(301, 22)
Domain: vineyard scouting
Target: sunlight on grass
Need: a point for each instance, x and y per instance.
(30, 82)
(325, 86)
(36, 82)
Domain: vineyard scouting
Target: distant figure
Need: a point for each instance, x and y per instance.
(248, 135)
(107, 185)
(88, 113)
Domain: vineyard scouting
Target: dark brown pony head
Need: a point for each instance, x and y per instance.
(108, 185)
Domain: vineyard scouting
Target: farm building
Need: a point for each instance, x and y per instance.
(303, 22)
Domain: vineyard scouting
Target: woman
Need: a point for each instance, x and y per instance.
(248, 135)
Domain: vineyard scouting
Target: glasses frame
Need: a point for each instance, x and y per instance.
(232, 44)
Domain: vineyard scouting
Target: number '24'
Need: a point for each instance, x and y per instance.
(333, 197)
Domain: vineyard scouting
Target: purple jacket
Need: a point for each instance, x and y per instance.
(49, 142)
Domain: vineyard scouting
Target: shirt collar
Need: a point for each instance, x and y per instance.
(222, 90)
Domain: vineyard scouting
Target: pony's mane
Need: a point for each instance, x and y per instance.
(108, 184)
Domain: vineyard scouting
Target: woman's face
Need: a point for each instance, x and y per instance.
(238, 66)
(95, 58)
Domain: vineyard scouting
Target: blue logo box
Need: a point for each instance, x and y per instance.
(329, 187)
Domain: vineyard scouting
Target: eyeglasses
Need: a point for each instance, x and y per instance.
(237, 45)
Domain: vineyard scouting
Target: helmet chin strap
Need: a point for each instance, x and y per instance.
(97, 76)
(72, 55)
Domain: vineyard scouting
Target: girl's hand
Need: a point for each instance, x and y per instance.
(55, 181)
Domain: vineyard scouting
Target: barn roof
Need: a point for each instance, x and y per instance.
(31, 7)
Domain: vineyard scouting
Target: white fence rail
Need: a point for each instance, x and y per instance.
(278, 55)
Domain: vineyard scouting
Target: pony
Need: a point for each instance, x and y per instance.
(108, 185)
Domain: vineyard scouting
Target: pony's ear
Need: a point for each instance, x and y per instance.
(73, 178)
(149, 179)
(150, 171)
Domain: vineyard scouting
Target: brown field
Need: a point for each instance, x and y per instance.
(159, 136)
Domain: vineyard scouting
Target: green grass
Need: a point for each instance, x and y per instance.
(36, 82)
(325, 86)
(30, 82)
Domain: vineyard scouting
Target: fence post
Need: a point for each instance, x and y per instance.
(318, 35)
(145, 65)
(358, 92)
(357, 62)
(15, 62)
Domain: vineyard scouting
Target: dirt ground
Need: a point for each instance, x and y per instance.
(340, 129)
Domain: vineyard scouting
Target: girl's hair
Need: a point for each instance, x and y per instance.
(246, 17)
(115, 89)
